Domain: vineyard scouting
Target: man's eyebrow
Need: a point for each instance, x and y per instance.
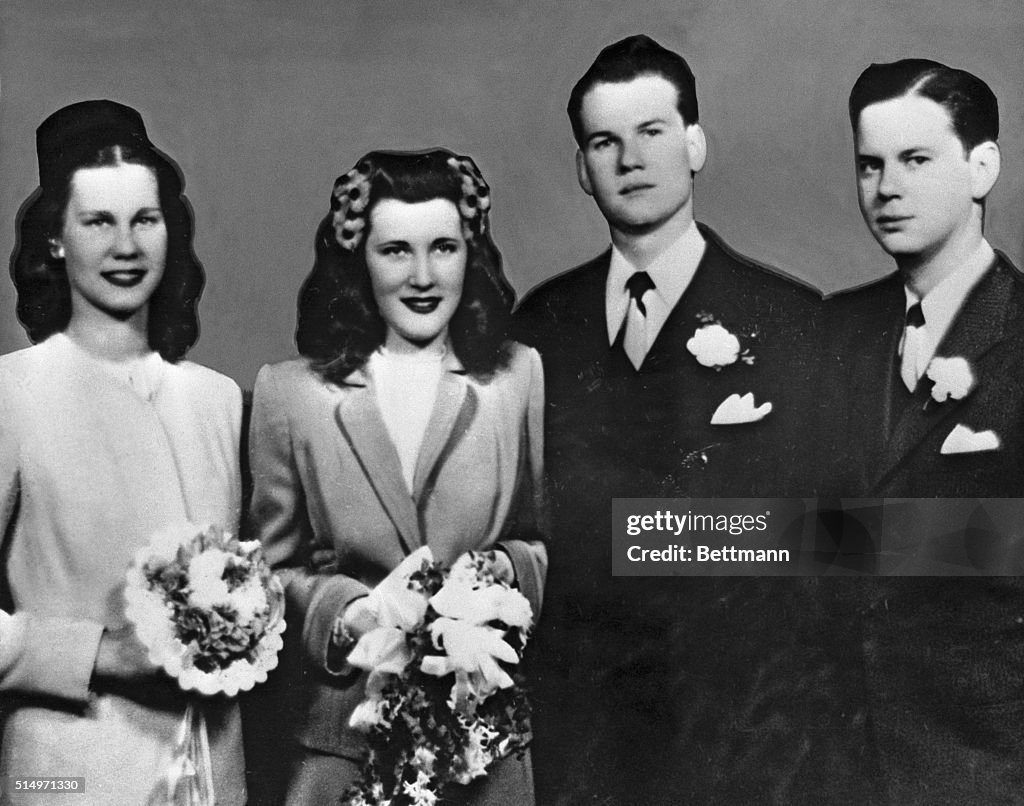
(902, 154)
(652, 122)
(642, 125)
(906, 152)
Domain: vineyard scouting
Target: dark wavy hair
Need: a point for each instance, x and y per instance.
(971, 104)
(626, 60)
(339, 323)
(44, 294)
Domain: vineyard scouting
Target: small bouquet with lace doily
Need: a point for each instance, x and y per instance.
(210, 613)
(442, 703)
(207, 608)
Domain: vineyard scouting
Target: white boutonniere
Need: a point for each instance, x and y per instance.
(952, 378)
(714, 346)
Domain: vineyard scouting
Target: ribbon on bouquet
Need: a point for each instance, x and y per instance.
(189, 777)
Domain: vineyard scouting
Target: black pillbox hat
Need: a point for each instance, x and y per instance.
(74, 133)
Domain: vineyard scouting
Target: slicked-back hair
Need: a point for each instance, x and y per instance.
(339, 322)
(626, 60)
(44, 293)
(971, 104)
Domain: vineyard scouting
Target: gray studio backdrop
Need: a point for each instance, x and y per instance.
(264, 103)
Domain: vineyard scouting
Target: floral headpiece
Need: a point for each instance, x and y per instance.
(348, 203)
(351, 195)
(476, 196)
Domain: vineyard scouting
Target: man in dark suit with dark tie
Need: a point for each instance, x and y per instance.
(935, 346)
(673, 367)
(931, 369)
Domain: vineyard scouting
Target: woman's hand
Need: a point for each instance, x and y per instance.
(359, 618)
(122, 657)
(501, 566)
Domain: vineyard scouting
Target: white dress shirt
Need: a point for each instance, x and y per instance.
(940, 307)
(672, 271)
(406, 389)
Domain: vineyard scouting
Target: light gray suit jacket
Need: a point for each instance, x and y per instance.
(334, 514)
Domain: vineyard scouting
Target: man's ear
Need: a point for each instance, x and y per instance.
(985, 161)
(582, 176)
(696, 146)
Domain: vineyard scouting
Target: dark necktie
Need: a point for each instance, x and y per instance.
(639, 284)
(633, 333)
(915, 316)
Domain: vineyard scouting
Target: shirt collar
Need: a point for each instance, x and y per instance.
(941, 305)
(360, 376)
(671, 271)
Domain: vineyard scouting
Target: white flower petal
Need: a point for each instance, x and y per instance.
(381, 650)
(952, 378)
(714, 346)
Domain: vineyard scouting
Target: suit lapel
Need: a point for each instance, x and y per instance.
(874, 370)
(367, 436)
(665, 345)
(453, 411)
(979, 326)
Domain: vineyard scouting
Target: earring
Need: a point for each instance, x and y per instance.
(56, 250)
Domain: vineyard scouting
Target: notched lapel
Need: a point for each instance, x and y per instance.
(868, 356)
(980, 325)
(364, 429)
(917, 420)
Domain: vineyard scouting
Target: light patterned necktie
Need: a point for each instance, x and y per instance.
(913, 345)
(635, 341)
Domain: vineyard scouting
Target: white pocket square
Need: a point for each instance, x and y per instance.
(735, 410)
(963, 440)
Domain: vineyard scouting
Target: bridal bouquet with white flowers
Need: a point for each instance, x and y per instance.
(443, 699)
(207, 608)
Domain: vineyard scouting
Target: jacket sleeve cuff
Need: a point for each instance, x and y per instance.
(530, 560)
(327, 604)
(49, 656)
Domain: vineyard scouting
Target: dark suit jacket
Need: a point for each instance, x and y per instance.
(643, 680)
(652, 428)
(894, 438)
(936, 664)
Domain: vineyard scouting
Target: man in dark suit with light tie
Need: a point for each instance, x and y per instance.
(673, 367)
(931, 369)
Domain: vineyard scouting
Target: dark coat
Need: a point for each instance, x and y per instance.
(934, 666)
(644, 685)
(894, 439)
(652, 429)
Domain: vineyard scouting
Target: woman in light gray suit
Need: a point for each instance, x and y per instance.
(410, 420)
